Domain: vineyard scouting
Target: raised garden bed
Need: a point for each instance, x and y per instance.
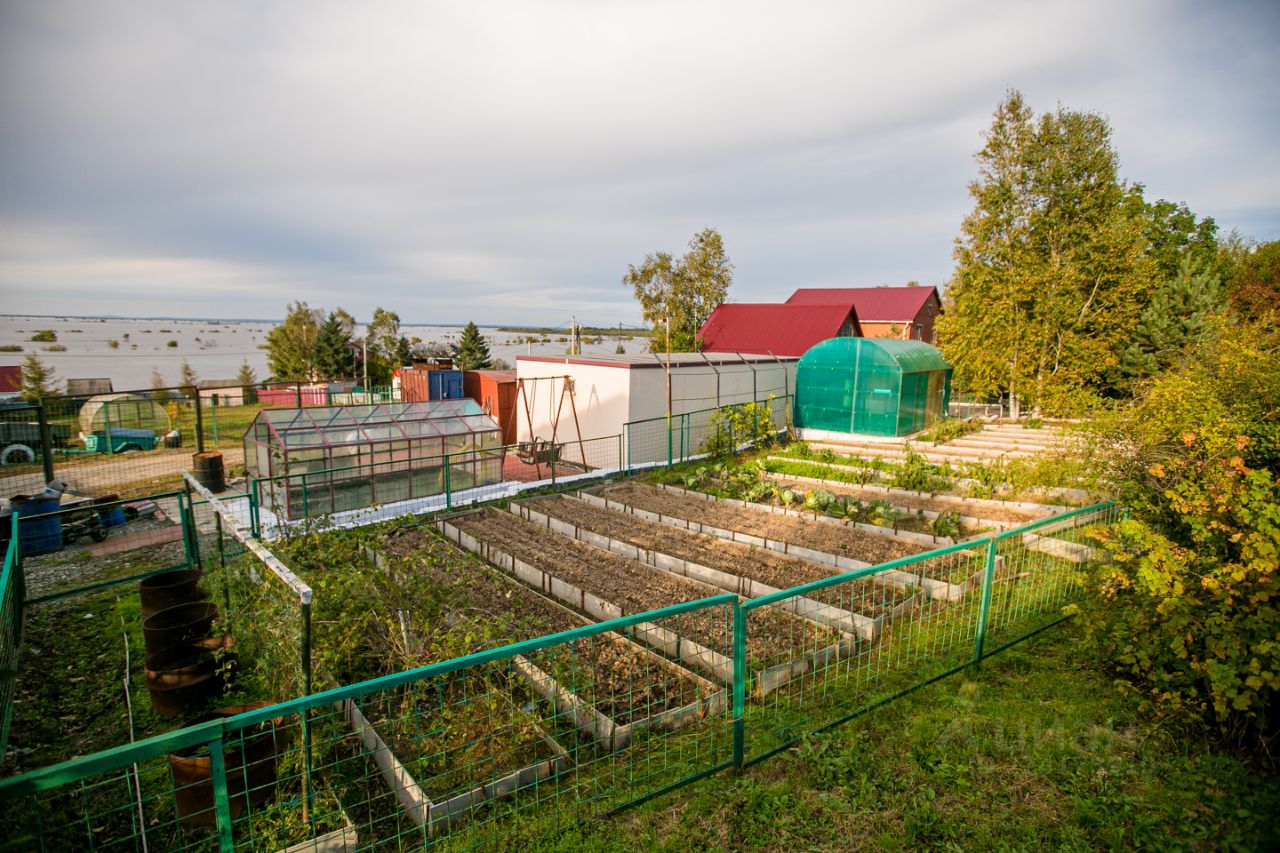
(859, 606)
(608, 587)
(831, 538)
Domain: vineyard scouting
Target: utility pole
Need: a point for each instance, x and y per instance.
(364, 361)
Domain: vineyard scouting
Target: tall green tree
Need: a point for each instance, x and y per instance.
(682, 292)
(248, 383)
(382, 337)
(38, 379)
(334, 356)
(1051, 270)
(291, 346)
(472, 352)
(189, 378)
(1254, 290)
(1178, 316)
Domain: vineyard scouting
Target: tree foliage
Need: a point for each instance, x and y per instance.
(1053, 269)
(248, 383)
(189, 378)
(334, 358)
(291, 346)
(38, 379)
(1187, 605)
(682, 291)
(1178, 315)
(1254, 291)
(472, 352)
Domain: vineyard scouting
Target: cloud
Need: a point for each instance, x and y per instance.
(512, 159)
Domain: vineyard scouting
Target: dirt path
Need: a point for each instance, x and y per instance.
(830, 538)
(126, 474)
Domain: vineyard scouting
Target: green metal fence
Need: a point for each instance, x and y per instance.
(12, 593)
(486, 749)
(692, 435)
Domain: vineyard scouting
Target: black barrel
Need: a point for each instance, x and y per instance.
(208, 471)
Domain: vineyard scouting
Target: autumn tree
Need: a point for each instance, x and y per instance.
(471, 353)
(1254, 290)
(1051, 269)
(189, 378)
(291, 346)
(681, 291)
(38, 379)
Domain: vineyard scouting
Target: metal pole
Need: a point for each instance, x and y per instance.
(988, 579)
(308, 804)
(739, 682)
(46, 441)
(106, 422)
(668, 318)
(448, 494)
(297, 394)
(199, 424)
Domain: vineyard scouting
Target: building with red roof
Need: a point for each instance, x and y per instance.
(883, 312)
(781, 330)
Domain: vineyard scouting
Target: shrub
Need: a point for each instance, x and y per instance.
(11, 348)
(113, 343)
(172, 344)
(45, 336)
(731, 426)
(55, 348)
(1187, 602)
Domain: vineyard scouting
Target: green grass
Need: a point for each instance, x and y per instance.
(1034, 751)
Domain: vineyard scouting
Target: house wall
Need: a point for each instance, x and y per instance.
(601, 397)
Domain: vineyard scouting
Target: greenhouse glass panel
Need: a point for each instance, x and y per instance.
(871, 386)
(331, 459)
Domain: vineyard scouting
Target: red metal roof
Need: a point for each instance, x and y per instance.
(873, 304)
(10, 378)
(778, 329)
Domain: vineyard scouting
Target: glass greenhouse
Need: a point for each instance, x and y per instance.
(871, 386)
(333, 458)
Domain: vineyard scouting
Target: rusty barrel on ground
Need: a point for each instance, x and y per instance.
(179, 625)
(170, 589)
(250, 754)
(182, 679)
(208, 470)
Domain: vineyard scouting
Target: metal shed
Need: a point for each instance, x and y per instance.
(333, 458)
(871, 386)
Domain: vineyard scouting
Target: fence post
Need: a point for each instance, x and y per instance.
(739, 681)
(190, 522)
(106, 422)
(297, 394)
(988, 579)
(221, 802)
(186, 529)
(46, 441)
(306, 498)
(626, 438)
(448, 491)
(199, 421)
(620, 465)
(308, 802)
(255, 529)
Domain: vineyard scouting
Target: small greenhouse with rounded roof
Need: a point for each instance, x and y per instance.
(326, 459)
(871, 386)
(123, 411)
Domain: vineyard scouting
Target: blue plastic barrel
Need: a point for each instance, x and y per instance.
(112, 516)
(40, 527)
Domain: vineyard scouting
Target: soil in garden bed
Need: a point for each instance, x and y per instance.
(830, 538)
(636, 588)
(621, 682)
(914, 502)
(777, 570)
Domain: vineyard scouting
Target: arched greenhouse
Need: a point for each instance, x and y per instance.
(108, 412)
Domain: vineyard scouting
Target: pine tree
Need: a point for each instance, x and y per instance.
(158, 385)
(38, 380)
(1176, 317)
(248, 384)
(291, 346)
(471, 353)
(334, 356)
(189, 378)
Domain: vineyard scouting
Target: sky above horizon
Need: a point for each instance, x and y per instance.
(505, 162)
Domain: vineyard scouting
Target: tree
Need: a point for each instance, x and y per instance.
(1177, 316)
(159, 387)
(383, 340)
(38, 379)
(248, 383)
(334, 356)
(681, 292)
(1051, 270)
(189, 379)
(472, 352)
(291, 346)
(1254, 291)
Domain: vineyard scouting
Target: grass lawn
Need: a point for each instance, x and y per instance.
(1035, 751)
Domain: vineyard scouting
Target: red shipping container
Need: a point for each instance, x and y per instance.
(495, 391)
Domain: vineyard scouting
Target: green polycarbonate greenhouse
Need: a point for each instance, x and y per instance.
(326, 459)
(871, 386)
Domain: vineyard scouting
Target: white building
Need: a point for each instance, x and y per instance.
(610, 391)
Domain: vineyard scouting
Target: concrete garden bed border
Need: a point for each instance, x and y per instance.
(864, 627)
(664, 640)
(586, 718)
(414, 800)
(1075, 552)
(834, 563)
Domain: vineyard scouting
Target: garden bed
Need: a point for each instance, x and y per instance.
(608, 587)
(770, 571)
(831, 538)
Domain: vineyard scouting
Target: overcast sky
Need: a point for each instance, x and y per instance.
(505, 162)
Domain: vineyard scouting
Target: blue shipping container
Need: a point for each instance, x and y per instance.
(444, 385)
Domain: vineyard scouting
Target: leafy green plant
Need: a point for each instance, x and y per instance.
(45, 336)
(11, 348)
(729, 427)
(947, 524)
(917, 474)
(788, 497)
